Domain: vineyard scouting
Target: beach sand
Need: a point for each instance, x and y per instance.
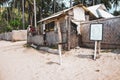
(18, 62)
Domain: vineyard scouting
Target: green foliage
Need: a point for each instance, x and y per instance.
(7, 29)
(116, 13)
(16, 23)
(4, 26)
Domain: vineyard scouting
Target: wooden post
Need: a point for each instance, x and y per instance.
(60, 41)
(95, 50)
(69, 31)
(98, 47)
(43, 27)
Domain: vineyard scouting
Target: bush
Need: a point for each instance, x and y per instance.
(16, 24)
(4, 26)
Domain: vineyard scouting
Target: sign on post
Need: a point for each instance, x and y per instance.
(96, 34)
(96, 31)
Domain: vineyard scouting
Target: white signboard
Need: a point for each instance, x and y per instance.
(96, 31)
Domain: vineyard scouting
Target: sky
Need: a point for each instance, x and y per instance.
(67, 3)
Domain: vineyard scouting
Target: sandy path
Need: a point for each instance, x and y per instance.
(20, 63)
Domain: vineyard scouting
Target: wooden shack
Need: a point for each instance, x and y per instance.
(64, 27)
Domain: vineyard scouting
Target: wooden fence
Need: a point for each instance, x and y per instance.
(111, 33)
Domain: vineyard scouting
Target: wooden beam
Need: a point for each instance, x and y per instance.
(43, 27)
(68, 32)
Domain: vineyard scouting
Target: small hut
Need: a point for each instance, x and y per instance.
(64, 27)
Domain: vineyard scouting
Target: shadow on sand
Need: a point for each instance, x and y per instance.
(85, 56)
(51, 62)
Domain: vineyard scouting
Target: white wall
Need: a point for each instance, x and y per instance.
(15, 35)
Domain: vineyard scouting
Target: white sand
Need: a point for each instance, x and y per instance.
(20, 63)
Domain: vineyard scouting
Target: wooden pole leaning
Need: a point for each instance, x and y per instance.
(97, 49)
(60, 41)
(99, 46)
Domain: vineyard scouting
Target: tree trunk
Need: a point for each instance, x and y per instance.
(23, 16)
(93, 2)
(70, 3)
(54, 6)
(35, 23)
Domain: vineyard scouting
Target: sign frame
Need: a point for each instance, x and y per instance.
(96, 36)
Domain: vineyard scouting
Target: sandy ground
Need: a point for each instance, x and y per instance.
(20, 63)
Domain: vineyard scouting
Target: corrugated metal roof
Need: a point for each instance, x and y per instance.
(104, 14)
(52, 16)
(99, 11)
(94, 8)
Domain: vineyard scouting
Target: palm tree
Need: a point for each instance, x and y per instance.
(2, 1)
(23, 13)
(116, 4)
(43, 9)
(35, 23)
(92, 2)
(70, 3)
(106, 3)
